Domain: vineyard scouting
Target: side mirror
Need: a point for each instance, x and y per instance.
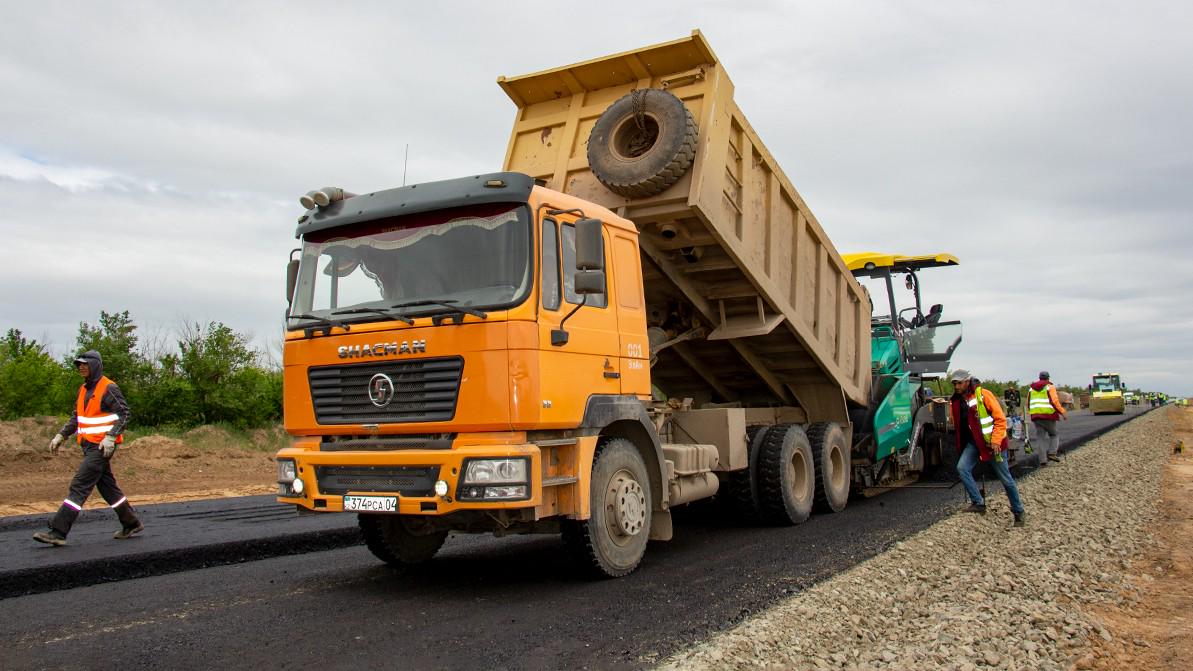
(590, 245)
(590, 282)
(291, 279)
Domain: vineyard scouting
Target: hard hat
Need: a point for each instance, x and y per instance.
(1044, 375)
(959, 375)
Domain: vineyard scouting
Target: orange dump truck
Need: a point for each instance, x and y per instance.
(638, 312)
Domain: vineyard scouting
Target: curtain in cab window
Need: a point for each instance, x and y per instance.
(550, 282)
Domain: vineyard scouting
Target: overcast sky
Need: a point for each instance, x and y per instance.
(152, 154)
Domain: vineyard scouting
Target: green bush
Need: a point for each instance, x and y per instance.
(215, 376)
(31, 382)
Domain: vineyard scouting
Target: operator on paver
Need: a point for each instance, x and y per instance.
(99, 418)
(981, 428)
(1046, 409)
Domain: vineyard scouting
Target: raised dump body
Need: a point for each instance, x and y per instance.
(748, 300)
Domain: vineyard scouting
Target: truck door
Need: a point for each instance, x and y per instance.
(589, 363)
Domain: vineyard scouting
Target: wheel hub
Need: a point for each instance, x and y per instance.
(628, 506)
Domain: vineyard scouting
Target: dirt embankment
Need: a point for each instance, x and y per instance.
(204, 462)
(1153, 628)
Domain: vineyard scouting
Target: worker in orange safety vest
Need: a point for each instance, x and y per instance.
(99, 419)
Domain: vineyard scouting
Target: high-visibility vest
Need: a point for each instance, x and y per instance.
(94, 423)
(1040, 403)
(978, 403)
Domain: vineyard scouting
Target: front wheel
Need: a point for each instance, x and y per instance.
(399, 540)
(612, 541)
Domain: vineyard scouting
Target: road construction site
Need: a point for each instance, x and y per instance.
(501, 390)
(741, 595)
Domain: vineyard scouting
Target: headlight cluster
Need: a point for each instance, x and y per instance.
(495, 480)
(289, 484)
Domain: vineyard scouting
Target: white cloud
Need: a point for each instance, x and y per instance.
(162, 147)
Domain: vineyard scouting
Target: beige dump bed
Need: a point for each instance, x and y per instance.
(733, 259)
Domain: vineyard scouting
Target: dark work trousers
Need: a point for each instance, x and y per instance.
(95, 471)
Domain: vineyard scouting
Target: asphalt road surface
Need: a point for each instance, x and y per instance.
(483, 603)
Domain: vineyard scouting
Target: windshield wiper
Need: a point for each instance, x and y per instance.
(327, 324)
(387, 312)
(449, 304)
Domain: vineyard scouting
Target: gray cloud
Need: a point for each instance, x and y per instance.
(162, 146)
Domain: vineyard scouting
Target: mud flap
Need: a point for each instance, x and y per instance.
(660, 525)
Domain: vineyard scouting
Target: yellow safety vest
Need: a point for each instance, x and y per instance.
(984, 418)
(1040, 403)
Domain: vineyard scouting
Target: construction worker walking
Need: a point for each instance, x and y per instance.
(99, 418)
(981, 428)
(1045, 409)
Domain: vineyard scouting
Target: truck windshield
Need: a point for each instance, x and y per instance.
(1105, 383)
(468, 257)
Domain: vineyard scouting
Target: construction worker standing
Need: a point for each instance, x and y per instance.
(981, 428)
(1045, 409)
(99, 418)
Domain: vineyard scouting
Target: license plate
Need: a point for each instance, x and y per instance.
(372, 504)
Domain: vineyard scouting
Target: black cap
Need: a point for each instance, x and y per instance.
(1044, 375)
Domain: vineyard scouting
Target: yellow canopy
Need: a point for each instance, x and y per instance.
(869, 261)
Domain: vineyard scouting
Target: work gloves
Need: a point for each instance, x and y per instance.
(55, 442)
(108, 446)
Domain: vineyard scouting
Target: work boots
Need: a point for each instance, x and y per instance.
(51, 537)
(126, 532)
(129, 524)
(975, 508)
(1020, 520)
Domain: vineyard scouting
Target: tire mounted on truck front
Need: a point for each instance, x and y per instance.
(643, 143)
(612, 541)
(397, 540)
(786, 477)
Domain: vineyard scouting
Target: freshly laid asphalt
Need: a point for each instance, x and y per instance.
(483, 602)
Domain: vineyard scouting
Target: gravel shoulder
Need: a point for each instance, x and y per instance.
(971, 591)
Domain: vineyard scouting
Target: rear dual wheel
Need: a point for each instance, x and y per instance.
(786, 476)
(740, 492)
(830, 455)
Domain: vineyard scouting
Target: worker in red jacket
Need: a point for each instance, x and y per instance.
(981, 428)
(1045, 409)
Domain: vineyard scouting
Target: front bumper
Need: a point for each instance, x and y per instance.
(449, 465)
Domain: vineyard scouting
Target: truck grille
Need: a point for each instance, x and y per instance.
(424, 390)
(404, 480)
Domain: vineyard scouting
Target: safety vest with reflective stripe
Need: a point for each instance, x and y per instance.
(94, 423)
(984, 419)
(1039, 403)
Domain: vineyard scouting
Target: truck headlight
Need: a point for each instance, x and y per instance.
(497, 471)
(495, 480)
(287, 470)
(289, 484)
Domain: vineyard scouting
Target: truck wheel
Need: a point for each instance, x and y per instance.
(611, 542)
(786, 477)
(643, 143)
(741, 492)
(830, 455)
(397, 541)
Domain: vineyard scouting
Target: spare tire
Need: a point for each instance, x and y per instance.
(643, 143)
